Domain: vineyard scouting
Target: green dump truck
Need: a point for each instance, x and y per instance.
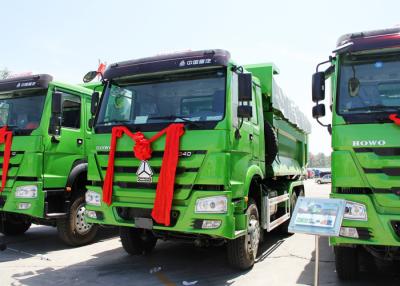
(44, 130)
(241, 158)
(364, 75)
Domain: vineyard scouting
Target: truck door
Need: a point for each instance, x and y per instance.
(242, 130)
(61, 152)
(249, 142)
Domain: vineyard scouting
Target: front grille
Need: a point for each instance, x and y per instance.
(153, 186)
(126, 166)
(388, 151)
(9, 165)
(394, 190)
(132, 213)
(353, 191)
(367, 191)
(13, 153)
(386, 171)
(208, 187)
(396, 227)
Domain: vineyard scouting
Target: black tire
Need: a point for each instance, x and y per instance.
(13, 225)
(284, 228)
(137, 241)
(346, 261)
(241, 255)
(271, 142)
(73, 230)
(319, 182)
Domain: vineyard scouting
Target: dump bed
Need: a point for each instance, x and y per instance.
(291, 126)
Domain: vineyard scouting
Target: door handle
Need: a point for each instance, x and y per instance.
(79, 141)
(251, 137)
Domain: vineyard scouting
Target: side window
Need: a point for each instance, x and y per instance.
(253, 103)
(71, 111)
(235, 103)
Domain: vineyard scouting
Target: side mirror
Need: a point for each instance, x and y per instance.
(318, 111)
(318, 86)
(56, 102)
(94, 102)
(90, 76)
(56, 109)
(245, 86)
(244, 111)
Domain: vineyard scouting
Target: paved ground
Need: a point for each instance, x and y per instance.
(39, 258)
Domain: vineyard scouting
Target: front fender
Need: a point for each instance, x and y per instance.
(77, 170)
(252, 171)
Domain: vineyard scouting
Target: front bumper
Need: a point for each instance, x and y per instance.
(232, 225)
(381, 226)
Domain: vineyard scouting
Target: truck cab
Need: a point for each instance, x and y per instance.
(364, 74)
(44, 133)
(241, 157)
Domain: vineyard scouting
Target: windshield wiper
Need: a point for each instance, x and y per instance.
(173, 117)
(378, 107)
(115, 122)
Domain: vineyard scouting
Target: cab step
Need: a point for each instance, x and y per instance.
(56, 215)
(271, 204)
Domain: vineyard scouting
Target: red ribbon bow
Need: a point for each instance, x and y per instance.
(142, 150)
(394, 118)
(5, 138)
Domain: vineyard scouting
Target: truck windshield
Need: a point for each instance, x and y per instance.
(196, 97)
(369, 84)
(21, 112)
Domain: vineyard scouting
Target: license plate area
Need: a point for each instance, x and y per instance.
(141, 222)
(130, 214)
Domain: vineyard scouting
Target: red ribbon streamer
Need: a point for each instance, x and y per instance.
(5, 138)
(101, 68)
(142, 150)
(394, 118)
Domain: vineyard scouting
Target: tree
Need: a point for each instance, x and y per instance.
(319, 160)
(4, 73)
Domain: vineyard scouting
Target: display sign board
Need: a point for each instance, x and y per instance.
(317, 216)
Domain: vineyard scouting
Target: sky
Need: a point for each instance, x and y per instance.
(67, 38)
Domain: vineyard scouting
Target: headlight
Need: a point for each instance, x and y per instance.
(355, 211)
(217, 204)
(349, 232)
(92, 198)
(26, 192)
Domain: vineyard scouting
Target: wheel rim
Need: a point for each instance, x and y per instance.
(81, 227)
(253, 236)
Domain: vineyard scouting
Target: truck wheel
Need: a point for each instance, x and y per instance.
(242, 251)
(73, 230)
(346, 261)
(137, 241)
(13, 225)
